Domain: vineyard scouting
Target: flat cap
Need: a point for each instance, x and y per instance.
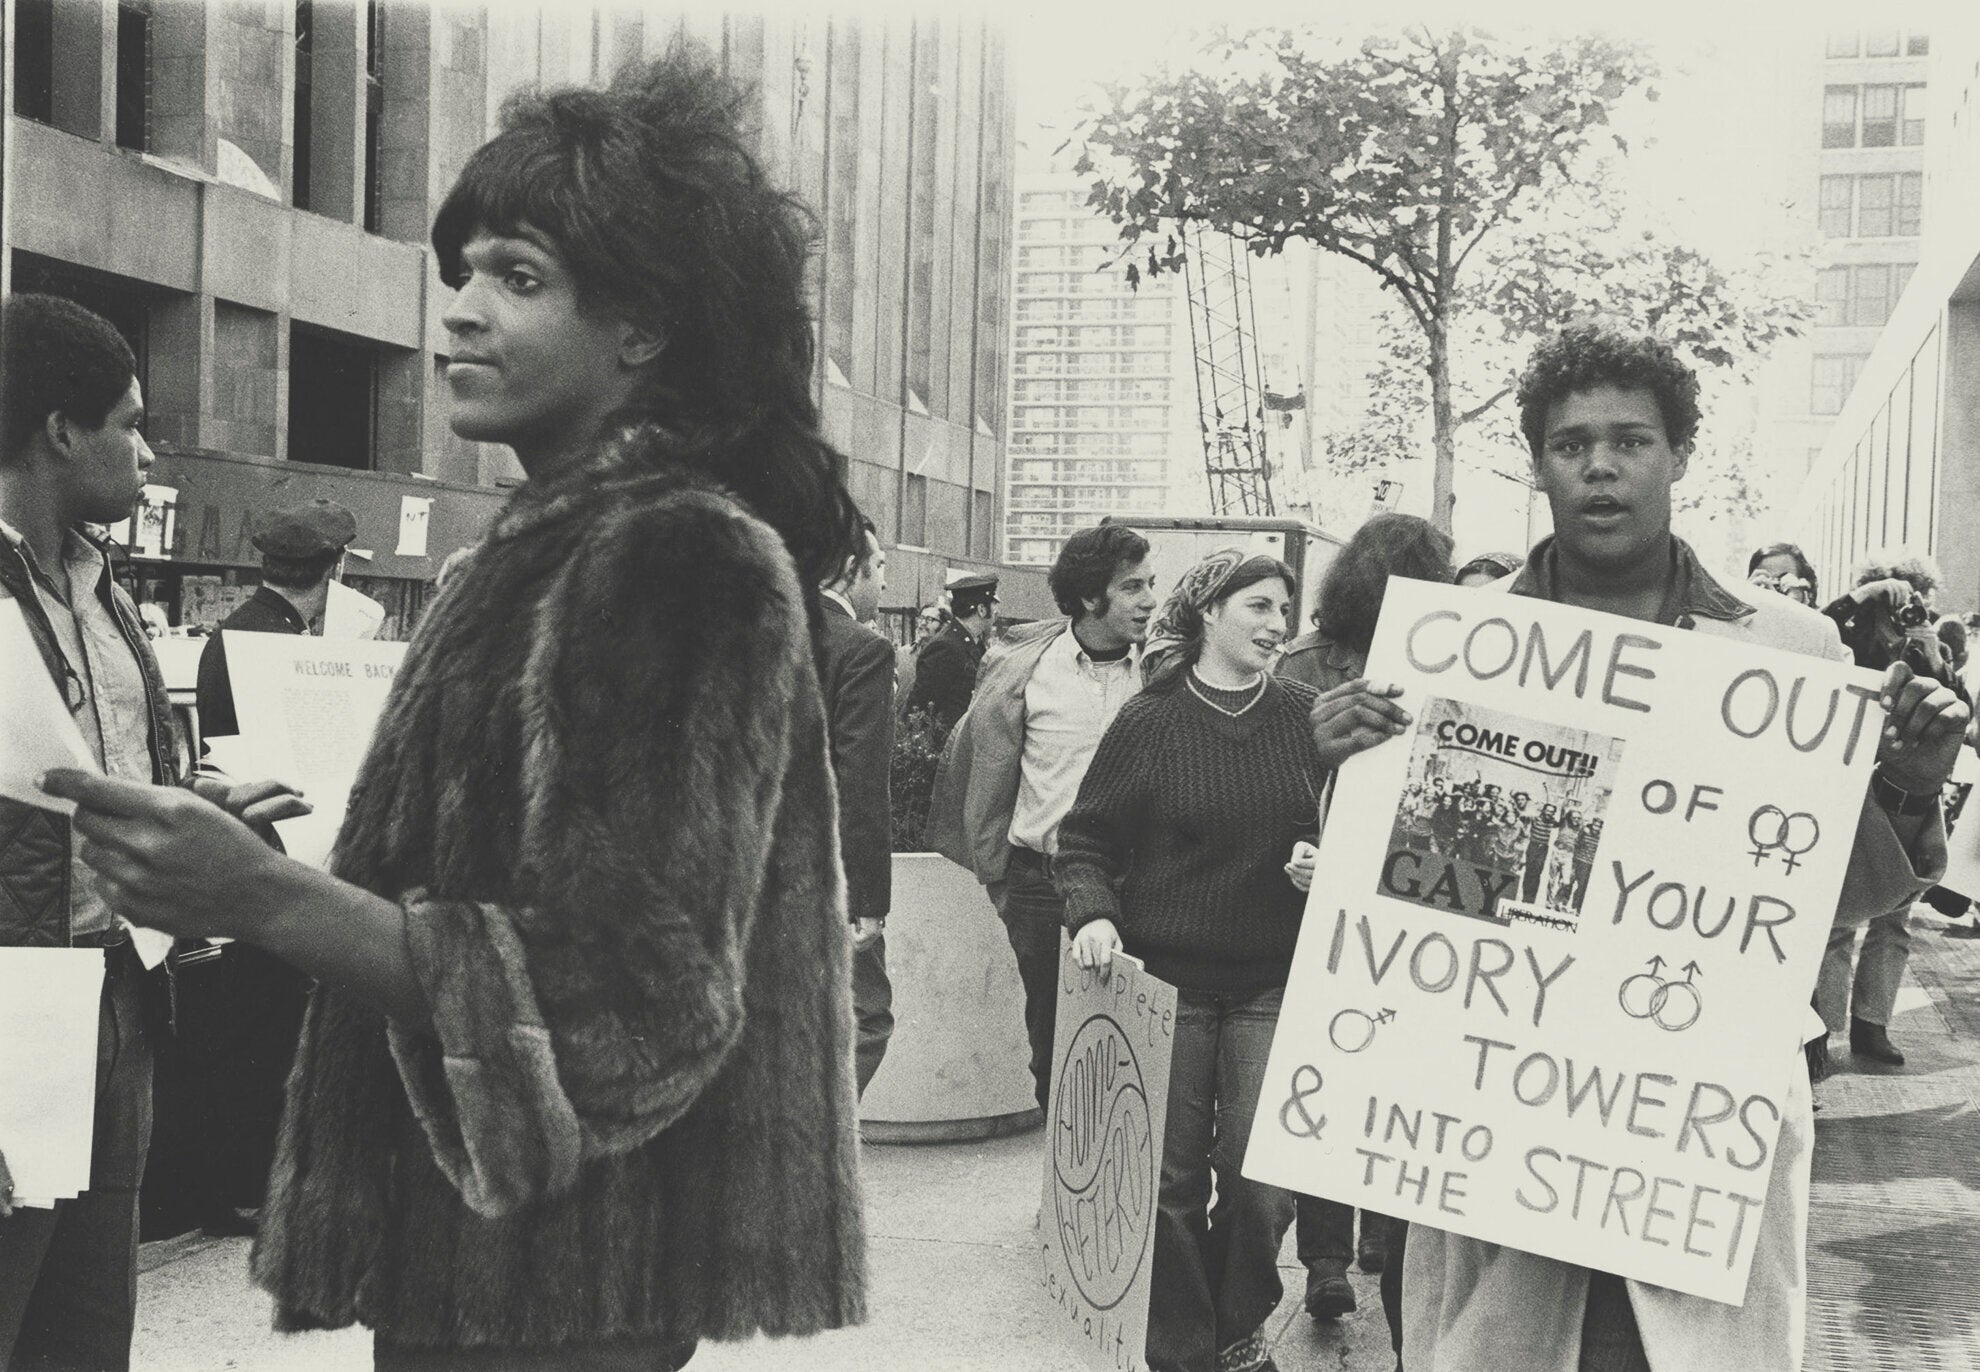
(980, 581)
(311, 529)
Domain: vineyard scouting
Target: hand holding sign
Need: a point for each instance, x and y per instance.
(1922, 736)
(1354, 717)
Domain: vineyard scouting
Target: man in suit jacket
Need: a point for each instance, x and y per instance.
(219, 1089)
(858, 686)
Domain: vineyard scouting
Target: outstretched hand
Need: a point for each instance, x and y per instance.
(1354, 717)
(167, 858)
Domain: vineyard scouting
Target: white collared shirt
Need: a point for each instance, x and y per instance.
(1068, 704)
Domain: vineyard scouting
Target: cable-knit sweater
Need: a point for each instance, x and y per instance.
(1182, 830)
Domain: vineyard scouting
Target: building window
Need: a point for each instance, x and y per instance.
(914, 512)
(1918, 45)
(1834, 213)
(1911, 124)
(1910, 204)
(134, 74)
(1875, 206)
(1870, 296)
(1839, 116)
(34, 60)
(332, 410)
(1880, 43)
(1834, 377)
(374, 107)
(300, 123)
(1832, 296)
(1844, 44)
(1880, 117)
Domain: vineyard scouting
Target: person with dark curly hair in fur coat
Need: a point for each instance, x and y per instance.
(576, 1087)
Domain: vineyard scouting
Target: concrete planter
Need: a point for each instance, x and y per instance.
(956, 1067)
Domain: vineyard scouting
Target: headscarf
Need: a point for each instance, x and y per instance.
(1501, 564)
(1176, 637)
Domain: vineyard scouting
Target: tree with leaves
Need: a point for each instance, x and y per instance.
(1433, 159)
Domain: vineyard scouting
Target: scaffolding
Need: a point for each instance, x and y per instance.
(1223, 332)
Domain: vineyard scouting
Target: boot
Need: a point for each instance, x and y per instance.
(1867, 1040)
(1373, 1250)
(1328, 1294)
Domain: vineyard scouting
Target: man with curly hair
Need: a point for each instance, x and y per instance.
(1610, 420)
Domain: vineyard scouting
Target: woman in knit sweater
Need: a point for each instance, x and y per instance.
(1175, 853)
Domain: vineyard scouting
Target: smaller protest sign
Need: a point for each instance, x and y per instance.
(307, 707)
(1103, 1165)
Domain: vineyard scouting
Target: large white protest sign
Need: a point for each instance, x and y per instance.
(1563, 932)
(1103, 1164)
(48, 1018)
(307, 708)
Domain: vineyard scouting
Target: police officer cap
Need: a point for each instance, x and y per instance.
(311, 529)
(980, 581)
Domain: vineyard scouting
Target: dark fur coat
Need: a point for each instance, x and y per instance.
(600, 791)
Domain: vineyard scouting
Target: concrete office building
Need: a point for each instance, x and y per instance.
(245, 189)
(1901, 464)
(1853, 176)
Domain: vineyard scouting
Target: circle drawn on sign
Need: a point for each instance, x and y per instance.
(1105, 1160)
(1670, 1004)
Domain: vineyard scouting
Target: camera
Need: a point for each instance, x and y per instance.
(1913, 614)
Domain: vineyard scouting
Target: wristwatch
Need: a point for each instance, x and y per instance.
(1899, 801)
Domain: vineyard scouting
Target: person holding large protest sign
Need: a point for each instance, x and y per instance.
(1335, 651)
(1175, 851)
(1610, 421)
(574, 1088)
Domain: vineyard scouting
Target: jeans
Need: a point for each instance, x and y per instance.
(1610, 1340)
(1216, 1274)
(873, 1009)
(1879, 969)
(1034, 916)
(68, 1276)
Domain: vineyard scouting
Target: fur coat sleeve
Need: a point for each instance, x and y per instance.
(584, 999)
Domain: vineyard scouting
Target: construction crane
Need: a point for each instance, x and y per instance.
(1230, 392)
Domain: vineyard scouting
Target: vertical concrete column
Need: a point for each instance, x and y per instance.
(415, 86)
(180, 371)
(400, 381)
(184, 83)
(81, 76)
(1958, 497)
(336, 110)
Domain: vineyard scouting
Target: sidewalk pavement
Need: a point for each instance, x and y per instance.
(1891, 1258)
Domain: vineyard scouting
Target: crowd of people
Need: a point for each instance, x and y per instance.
(598, 967)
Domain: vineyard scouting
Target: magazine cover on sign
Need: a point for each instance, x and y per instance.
(1501, 817)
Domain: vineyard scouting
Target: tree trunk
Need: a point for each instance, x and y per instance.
(1443, 499)
(1444, 423)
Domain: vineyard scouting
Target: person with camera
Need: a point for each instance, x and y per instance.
(1888, 616)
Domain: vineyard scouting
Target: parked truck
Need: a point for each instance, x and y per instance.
(1179, 541)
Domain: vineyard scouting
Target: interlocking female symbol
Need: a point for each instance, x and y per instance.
(1773, 829)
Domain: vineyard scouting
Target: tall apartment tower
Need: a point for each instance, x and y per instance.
(1102, 401)
(1856, 182)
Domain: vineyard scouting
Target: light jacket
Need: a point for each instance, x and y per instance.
(1481, 1307)
(608, 815)
(976, 781)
